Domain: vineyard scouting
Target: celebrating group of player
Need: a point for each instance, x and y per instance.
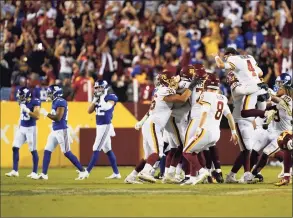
(182, 126)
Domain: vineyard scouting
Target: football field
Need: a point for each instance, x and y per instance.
(61, 195)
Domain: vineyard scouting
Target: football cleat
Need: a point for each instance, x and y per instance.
(114, 176)
(131, 180)
(218, 176)
(41, 176)
(32, 175)
(231, 179)
(146, 177)
(12, 173)
(168, 178)
(83, 175)
(211, 180)
(187, 182)
(259, 177)
(284, 181)
(248, 178)
(201, 176)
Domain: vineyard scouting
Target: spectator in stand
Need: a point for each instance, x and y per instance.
(120, 86)
(235, 40)
(49, 33)
(50, 77)
(254, 37)
(82, 85)
(64, 52)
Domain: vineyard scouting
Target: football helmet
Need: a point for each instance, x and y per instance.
(187, 72)
(53, 92)
(100, 87)
(212, 81)
(166, 80)
(285, 140)
(231, 78)
(200, 75)
(283, 80)
(23, 95)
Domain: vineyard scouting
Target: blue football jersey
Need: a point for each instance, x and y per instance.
(102, 116)
(25, 119)
(62, 124)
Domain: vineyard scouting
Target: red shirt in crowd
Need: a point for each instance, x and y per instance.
(81, 86)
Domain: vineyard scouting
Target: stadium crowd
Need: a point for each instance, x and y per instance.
(74, 43)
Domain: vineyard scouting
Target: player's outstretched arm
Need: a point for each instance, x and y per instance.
(219, 62)
(232, 126)
(178, 98)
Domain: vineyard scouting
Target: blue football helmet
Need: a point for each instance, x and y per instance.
(100, 87)
(54, 91)
(23, 95)
(283, 80)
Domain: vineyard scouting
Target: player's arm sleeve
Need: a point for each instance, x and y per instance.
(226, 110)
(205, 101)
(110, 101)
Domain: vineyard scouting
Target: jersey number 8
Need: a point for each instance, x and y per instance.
(220, 107)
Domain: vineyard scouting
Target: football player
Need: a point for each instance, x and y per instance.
(205, 132)
(281, 122)
(244, 67)
(285, 142)
(244, 113)
(176, 127)
(103, 104)
(29, 113)
(60, 133)
(159, 114)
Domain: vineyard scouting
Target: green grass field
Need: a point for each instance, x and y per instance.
(61, 195)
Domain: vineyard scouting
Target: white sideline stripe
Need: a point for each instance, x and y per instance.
(253, 191)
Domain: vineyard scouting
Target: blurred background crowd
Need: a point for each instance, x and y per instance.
(74, 43)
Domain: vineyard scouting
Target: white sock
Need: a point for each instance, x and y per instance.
(172, 170)
(134, 173)
(178, 169)
(166, 170)
(147, 168)
(232, 174)
(201, 170)
(218, 170)
(156, 165)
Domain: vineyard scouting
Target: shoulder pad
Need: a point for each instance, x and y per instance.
(111, 97)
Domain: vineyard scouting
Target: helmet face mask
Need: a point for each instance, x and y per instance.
(282, 83)
(100, 87)
(23, 95)
(53, 92)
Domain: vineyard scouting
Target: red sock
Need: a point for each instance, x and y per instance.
(207, 156)
(185, 166)
(215, 157)
(287, 161)
(279, 156)
(177, 157)
(246, 161)
(201, 159)
(152, 159)
(194, 163)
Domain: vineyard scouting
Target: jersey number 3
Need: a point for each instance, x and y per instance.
(250, 68)
(220, 107)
